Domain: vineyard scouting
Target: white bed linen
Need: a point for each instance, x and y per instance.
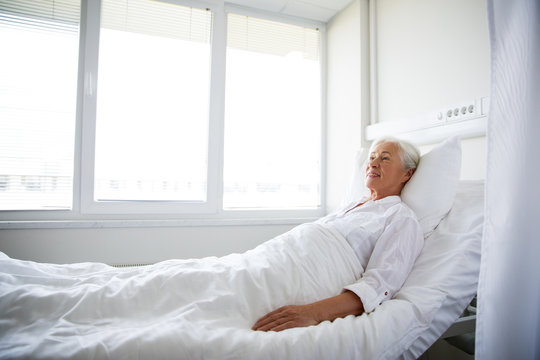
(449, 264)
(204, 309)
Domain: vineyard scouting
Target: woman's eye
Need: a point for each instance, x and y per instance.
(386, 158)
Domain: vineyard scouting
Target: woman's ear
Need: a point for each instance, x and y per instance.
(408, 175)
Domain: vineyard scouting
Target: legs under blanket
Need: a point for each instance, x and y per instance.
(190, 309)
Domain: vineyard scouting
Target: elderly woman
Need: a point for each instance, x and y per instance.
(383, 232)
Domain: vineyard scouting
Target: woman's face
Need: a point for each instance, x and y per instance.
(385, 175)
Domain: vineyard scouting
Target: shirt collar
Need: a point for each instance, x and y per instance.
(384, 200)
(393, 199)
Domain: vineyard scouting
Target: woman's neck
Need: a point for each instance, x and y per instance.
(378, 196)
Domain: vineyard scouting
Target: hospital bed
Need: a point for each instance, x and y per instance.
(204, 308)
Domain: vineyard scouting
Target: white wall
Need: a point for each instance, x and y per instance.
(432, 54)
(133, 245)
(347, 96)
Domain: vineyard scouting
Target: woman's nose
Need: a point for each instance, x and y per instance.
(373, 162)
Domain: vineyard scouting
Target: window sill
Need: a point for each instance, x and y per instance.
(106, 224)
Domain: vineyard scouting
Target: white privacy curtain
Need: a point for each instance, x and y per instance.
(508, 324)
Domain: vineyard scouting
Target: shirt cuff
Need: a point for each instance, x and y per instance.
(369, 297)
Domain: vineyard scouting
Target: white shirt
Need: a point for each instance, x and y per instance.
(387, 239)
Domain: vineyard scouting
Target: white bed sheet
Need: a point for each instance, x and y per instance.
(450, 263)
(203, 309)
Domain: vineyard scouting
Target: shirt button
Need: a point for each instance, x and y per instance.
(386, 293)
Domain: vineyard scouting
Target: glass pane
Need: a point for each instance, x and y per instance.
(38, 90)
(272, 116)
(153, 98)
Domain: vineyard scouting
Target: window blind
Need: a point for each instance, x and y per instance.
(271, 37)
(62, 15)
(158, 19)
(38, 88)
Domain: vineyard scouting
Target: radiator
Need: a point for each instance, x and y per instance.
(129, 265)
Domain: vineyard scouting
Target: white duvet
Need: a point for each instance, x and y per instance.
(204, 309)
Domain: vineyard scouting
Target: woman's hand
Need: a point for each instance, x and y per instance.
(287, 317)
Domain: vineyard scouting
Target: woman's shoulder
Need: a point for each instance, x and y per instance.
(402, 209)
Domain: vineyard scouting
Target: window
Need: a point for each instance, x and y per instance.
(174, 107)
(153, 99)
(272, 115)
(38, 91)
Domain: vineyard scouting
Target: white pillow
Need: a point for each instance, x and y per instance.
(357, 188)
(431, 190)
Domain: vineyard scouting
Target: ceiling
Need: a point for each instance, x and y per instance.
(320, 10)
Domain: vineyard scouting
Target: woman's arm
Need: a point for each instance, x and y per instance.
(347, 303)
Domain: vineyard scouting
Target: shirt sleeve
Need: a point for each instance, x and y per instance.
(390, 263)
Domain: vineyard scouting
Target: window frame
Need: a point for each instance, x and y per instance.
(91, 71)
(85, 209)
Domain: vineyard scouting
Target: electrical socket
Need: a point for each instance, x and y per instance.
(462, 111)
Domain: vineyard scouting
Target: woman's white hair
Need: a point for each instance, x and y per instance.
(409, 153)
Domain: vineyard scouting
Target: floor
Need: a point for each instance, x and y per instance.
(444, 350)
